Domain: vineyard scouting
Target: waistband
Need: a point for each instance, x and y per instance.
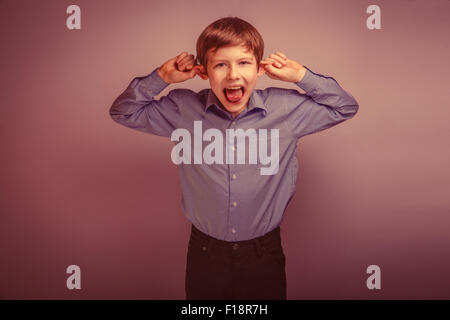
(268, 237)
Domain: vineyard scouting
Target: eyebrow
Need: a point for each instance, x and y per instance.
(240, 59)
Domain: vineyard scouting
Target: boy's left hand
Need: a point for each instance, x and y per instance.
(279, 67)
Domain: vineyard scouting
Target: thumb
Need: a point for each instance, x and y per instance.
(271, 69)
(194, 71)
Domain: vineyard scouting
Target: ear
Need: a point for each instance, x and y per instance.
(261, 70)
(201, 72)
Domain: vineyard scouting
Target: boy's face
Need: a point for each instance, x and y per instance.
(232, 73)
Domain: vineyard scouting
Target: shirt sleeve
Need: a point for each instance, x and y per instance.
(324, 104)
(136, 107)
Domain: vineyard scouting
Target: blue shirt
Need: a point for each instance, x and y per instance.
(234, 201)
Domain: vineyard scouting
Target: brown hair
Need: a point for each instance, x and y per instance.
(230, 31)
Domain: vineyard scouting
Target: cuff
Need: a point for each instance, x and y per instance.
(307, 83)
(154, 83)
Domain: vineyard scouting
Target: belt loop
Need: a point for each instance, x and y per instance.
(258, 247)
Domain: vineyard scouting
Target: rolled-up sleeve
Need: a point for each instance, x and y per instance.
(136, 107)
(324, 104)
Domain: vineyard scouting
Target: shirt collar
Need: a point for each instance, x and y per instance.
(255, 101)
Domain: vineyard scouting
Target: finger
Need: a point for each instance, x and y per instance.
(181, 56)
(187, 67)
(268, 68)
(275, 62)
(178, 65)
(272, 71)
(187, 62)
(281, 54)
(190, 63)
(186, 59)
(270, 75)
(193, 72)
(278, 58)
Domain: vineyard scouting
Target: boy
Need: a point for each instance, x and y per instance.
(234, 251)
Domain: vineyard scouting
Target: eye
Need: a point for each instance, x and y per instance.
(220, 64)
(245, 62)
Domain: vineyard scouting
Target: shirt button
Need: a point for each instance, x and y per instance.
(234, 122)
(235, 246)
(204, 248)
(234, 177)
(233, 148)
(235, 204)
(233, 230)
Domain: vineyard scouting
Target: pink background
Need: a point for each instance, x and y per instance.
(77, 188)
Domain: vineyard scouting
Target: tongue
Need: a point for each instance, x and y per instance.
(234, 95)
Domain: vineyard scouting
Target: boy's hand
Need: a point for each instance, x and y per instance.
(279, 67)
(179, 69)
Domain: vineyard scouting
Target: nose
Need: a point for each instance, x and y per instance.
(233, 73)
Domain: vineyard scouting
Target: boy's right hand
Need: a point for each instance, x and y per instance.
(179, 69)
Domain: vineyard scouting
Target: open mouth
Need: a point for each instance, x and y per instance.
(234, 94)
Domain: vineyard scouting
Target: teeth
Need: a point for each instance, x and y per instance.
(233, 88)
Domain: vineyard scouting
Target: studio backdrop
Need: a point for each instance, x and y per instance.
(82, 194)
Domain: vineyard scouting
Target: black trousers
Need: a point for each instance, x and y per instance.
(251, 269)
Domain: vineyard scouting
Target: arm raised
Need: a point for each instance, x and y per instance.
(136, 107)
